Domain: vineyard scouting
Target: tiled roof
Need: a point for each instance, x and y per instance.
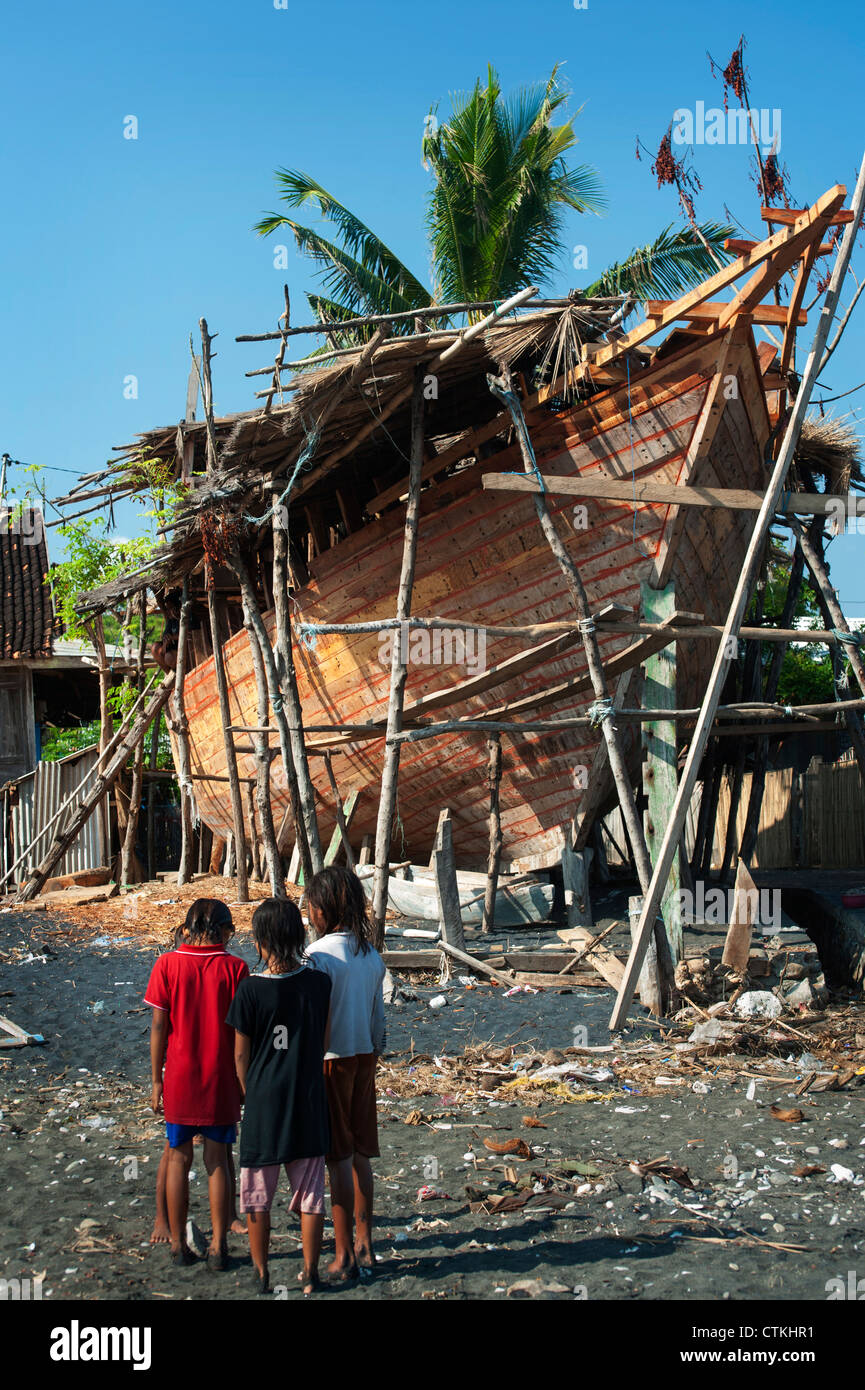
(26, 612)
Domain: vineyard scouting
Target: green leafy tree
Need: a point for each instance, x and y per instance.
(806, 671)
(502, 186)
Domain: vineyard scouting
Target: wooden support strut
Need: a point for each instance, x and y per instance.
(494, 777)
(670, 494)
(216, 636)
(399, 667)
(262, 763)
(503, 390)
(670, 843)
(180, 729)
(302, 808)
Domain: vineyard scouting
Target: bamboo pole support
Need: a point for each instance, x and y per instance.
(297, 766)
(494, 777)
(262, 763)
(652, 898)
(180, 729)
(127, 853)
(275, 691)
(228, 742)
(502, 389)
(96, 632)
(399, 667)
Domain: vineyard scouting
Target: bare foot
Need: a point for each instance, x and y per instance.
(339, 1272)
(160, 1235)
(238, 1227)
(364, 1256)
(182, 1255)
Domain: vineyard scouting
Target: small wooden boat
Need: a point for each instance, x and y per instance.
(412, 893)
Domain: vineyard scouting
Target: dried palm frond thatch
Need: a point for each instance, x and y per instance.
(830, 448)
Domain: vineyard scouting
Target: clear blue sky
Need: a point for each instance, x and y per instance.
(113, 248)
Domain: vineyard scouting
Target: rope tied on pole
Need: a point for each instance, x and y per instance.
(599, 710)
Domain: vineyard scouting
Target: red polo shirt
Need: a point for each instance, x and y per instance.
(194, 985)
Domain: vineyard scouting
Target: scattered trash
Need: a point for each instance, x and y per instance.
(842, 1174)
(518, 1147)
(438, 1001)
(790, 1115)
(758, 1003)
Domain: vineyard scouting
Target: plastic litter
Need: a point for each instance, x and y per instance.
(758, 1003)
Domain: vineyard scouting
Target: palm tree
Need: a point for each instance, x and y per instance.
(495, 218)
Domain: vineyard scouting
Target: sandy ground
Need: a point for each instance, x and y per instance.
(79, 1147)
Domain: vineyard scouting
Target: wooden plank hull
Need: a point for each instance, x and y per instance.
(482, 558)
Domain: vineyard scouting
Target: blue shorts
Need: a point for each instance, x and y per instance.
(181, 1134)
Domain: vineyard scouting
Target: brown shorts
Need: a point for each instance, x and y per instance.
(350, 1085)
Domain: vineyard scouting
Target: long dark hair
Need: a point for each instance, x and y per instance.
(338, 894)
(206, 920)
(278, 932)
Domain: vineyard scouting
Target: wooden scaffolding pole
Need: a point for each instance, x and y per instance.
(494, 777)
(669, 846)
(180, 728)
(96, 632)
(275, 690)
(399, 664)
(127, 853)
(104, 780)
(659, 762)
(502, 389)
(309, 840)
(238, 828)
(262, 762)
(216, 639)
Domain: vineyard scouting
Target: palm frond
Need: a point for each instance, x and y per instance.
(676, 261)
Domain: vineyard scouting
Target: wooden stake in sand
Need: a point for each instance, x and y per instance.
(746, 898)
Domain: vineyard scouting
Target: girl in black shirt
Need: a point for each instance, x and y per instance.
(281, 1018)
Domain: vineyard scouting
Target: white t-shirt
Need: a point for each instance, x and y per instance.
(357, 1023)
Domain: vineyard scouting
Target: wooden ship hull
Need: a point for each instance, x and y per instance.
(699, 415)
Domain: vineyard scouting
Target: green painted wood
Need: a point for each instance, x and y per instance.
(348, 809)
(660, 779)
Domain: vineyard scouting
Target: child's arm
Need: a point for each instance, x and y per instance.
(242, 1050)
(158, 1041)
(378, 1024)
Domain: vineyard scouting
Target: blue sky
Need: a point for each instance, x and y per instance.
(113, 248)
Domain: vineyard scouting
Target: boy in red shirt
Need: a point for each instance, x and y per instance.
(189, 991)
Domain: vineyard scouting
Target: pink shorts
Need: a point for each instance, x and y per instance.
(306, 1175)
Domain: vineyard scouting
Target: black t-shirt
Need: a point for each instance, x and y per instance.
(285, 1113)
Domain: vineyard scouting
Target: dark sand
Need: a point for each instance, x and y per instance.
(79, 1149)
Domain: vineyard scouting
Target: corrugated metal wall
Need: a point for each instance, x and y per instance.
(39, 798)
